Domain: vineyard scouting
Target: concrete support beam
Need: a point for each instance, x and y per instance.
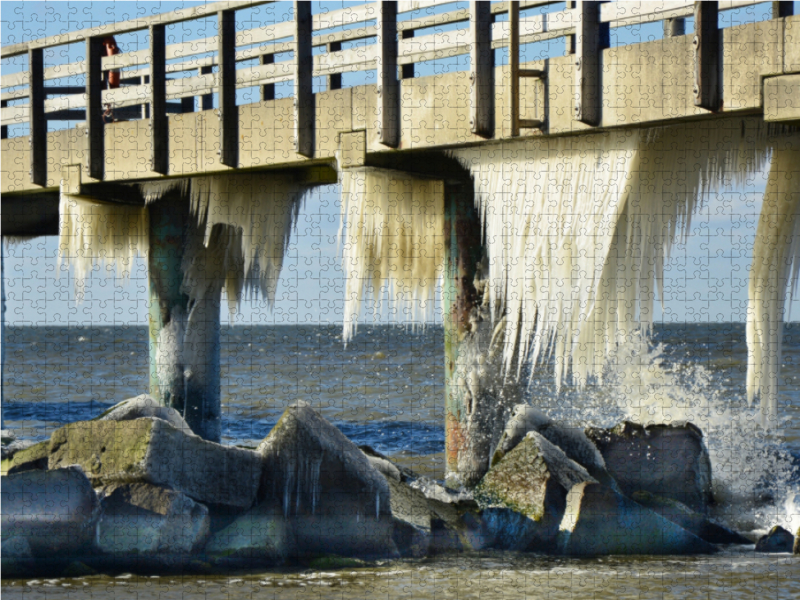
(590, 37)
(674, 27)
(268, 90)
(388, 84)
(95, 130)
(226, 90)
(481, 59)
(159, 130)
(303, 81)
(38, 121)
(706, 55)
(463, 254)
(184, 333)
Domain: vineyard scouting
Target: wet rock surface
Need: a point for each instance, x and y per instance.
(667, 460)
(261, 536)
(599, 521)
(412, 518)
(335, 499)
(777, 540)
(523, 497)
(54, 511)
(691, 521)
(142, 519)
(30, 457)
(143, 406)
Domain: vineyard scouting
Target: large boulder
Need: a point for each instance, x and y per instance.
(30, 458)
(524, 495)
(599, 521)
(336, 501)
(144, 520)
(776, 540)
(412, 518)
(143, 406)
(150, 450)
(54, 511)
(691, 521)
(16, 556)
(571, 440)
(796, 547)
(259, 537)
(667, 460)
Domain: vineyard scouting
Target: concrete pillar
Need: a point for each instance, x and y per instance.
(184, 333)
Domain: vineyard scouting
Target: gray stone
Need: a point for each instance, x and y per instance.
(598, 522)
(691, 521)
(387, 466)
(16, 556)
(412, 518)
(571, 440)
(777, 540)
(143, 406)
(55, 511)
(150, 450)
(141, 519)
(28, 457)
(336, 501)
(456, 527)
(261, 536)
(796, 548)
(524, 495)
(7, 436)
(667, 460)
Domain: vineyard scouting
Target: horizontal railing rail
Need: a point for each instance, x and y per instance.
(211, 63)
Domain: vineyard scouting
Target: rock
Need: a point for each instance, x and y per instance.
(691, 521)
(777, 540)
(336, 501)
(667, 460)
(143, 406)
(572, 441)
(456, 526)
(412, 518)
(141, 519)
(434, 491)
(7, 436)
(383, 465)
(78, 569)
(260, 536)
(55, 511)
(599, 521)
(16, 556)
(31, 458)
(524, 495)
(150, 450)
(796, 548)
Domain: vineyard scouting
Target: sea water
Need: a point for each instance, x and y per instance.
(385, 389)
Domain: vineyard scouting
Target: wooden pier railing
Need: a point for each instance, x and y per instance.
(396, 35)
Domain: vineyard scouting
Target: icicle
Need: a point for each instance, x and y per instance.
(776, 262)
(91, 232)
(153, 191)
(394, 237)
(578, 229)
(262, 208)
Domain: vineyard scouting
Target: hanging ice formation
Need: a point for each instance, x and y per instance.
(394, 237)
(248, 218)
(93, 232)
(776, 264)
(578, 229)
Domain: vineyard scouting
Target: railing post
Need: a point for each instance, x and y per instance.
(159, 131)
(782, 9)
(513, 65)
(268, 90)
(95, 140)
(407, 71)
(335, 79)
(303, 88)
(569, 40)
(706, 55)
(206, 100)
(4, 128)
(36, 117)
(482, 68)
(226, 90)
(589, 39)
(388, 84)
(674, 27)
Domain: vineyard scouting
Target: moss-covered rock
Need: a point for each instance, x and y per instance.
(776, 540)
(523, 496)
(599, 522)
(691, 521)
(32, 458)
(669, 460)
(150, 450)
(335, 500)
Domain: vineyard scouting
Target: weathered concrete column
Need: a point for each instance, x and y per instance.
(184, 332)
(479, 396)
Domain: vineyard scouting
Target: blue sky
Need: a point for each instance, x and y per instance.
(706, 280)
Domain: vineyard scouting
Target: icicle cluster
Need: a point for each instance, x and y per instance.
(92, 232)
(578, 229)
(394, 238)
(248, 218)
(776, 263)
